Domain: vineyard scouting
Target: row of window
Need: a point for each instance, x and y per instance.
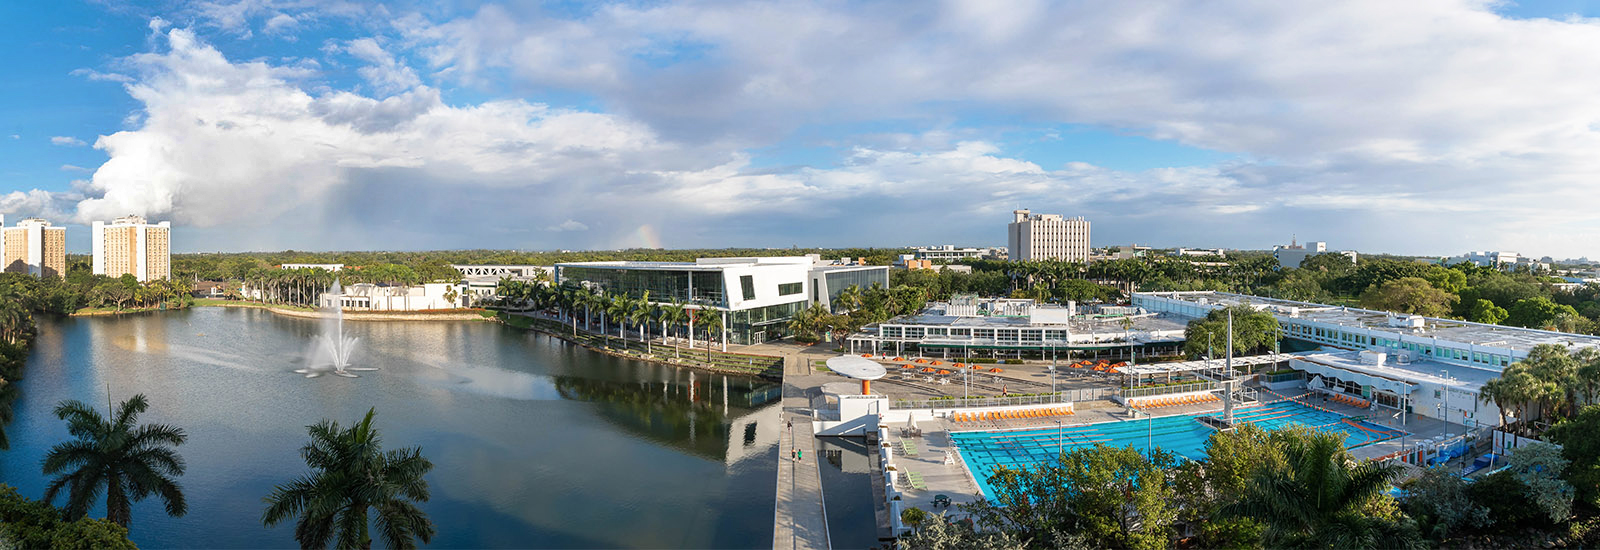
(1339, 337)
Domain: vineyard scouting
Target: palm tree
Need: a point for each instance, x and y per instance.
(351, 475)
(127, 460)
(674, 315)
(850, 298)
(1315, 497)
(712, 321)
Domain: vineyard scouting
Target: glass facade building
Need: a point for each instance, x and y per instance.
(701, 287)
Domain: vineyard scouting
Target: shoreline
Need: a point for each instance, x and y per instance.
(463, 315)
(669, 361)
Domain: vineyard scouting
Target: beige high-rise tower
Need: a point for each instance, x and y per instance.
(129, 245)
(35, 248)
(1047, 236)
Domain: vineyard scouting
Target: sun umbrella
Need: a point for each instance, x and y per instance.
(942, 371)
(927, 369)
(907, 366)
(997, 369)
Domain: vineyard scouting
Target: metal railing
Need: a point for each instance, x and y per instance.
(1135, 393)
(995, 401)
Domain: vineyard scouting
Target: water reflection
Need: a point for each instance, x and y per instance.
(536, 443)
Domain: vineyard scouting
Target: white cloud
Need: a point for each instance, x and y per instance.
(384, 72)
(569, 225)
(73, 168)
(67, 141)
(92, 74)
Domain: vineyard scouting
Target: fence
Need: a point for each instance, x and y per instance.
(991, 401)
(1135, 393)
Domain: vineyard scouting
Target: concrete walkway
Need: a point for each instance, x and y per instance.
(800, 518)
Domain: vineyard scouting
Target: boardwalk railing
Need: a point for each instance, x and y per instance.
(994, 401)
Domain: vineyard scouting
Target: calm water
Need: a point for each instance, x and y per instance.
(847, 487)
(535, 442)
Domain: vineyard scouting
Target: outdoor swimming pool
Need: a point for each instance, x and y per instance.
(1180, 434)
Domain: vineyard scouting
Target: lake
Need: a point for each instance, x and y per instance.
(535, 442)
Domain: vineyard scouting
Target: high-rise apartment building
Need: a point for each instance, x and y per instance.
(35, 248)
(129, 245)
(1047, 236)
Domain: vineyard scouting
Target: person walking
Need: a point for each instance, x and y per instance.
(801, 456)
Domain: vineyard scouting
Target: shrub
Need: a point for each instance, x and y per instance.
(912, 516)
(1013, 361)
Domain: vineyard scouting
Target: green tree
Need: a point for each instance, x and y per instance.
(1253, 331)
(1441, 504)
(127, 460)
(351, 476)
(1536, 312)
(1484, 311)
(1319, 497)
(1540, 468)
(26, 523)
(1446, 279)
(1581, 448)
(1408, 295)
(1110, 497)
(937, 532)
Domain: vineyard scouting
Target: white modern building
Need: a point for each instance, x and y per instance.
(1047, 236)
(483, 281)
(130, 245)
(1498, 259)
(34, 247)
(335, 268)
(951, 253)
(370, 297)
(1005, 327)
(1420, 361)
(1218, 252)
(758, 296)
(1295, 254)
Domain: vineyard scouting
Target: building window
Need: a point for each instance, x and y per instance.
(747, 283)
(790, 289)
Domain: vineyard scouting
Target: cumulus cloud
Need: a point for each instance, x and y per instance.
(67, 141)
(569, 225)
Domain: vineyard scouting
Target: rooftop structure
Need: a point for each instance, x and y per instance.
(1409, 337)
(1200, 252)
(1294, 254)
(758, 295)
(1430, 388)
(951, 253)
(966, 323)
(324, 267)
(131, 246)
(1047, 236)
(1498, 259)
(34, 247)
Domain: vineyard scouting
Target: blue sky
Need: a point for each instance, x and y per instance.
(1432, 127)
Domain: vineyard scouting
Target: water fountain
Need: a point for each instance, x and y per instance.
(330, 351)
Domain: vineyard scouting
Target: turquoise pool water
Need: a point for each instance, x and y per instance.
(1180, 434)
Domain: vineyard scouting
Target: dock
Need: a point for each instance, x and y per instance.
(800, 517)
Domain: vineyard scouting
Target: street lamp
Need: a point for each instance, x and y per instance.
(1059, 450)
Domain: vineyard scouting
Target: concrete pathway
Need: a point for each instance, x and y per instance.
(800, 518)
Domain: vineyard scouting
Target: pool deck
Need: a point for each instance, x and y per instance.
(800, 520)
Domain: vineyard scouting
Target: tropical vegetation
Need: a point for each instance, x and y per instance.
(116, 456)
(354, 486)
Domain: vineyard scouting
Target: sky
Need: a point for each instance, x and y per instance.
(1429, 127)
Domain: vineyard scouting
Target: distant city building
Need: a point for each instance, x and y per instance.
(1047, 237)
(1200, 252)
(1295, 254)
(757, 296)
(952, 253)
(324, 267)
(1127, 252)
(370, 297)
(910, 261)
(35, 248)
(968, 326)
(131, 246)
(1498, 259)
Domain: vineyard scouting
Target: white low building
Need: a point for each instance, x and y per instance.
(370, 297)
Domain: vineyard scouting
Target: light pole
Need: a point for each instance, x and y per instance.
(1058, 438)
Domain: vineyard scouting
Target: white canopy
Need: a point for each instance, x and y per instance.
(859, 368)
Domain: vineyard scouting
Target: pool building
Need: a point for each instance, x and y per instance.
(758, 296)
(1009, 327)
(1424, 365)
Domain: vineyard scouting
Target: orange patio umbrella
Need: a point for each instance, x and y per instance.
(976, 367)
(942, 371)
(899, 359)
(997, 369)
(907, 366)
(867, 355)
(927, 369)
(937, 363)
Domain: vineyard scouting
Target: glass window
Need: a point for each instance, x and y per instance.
(747, 283)
(789, 289)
